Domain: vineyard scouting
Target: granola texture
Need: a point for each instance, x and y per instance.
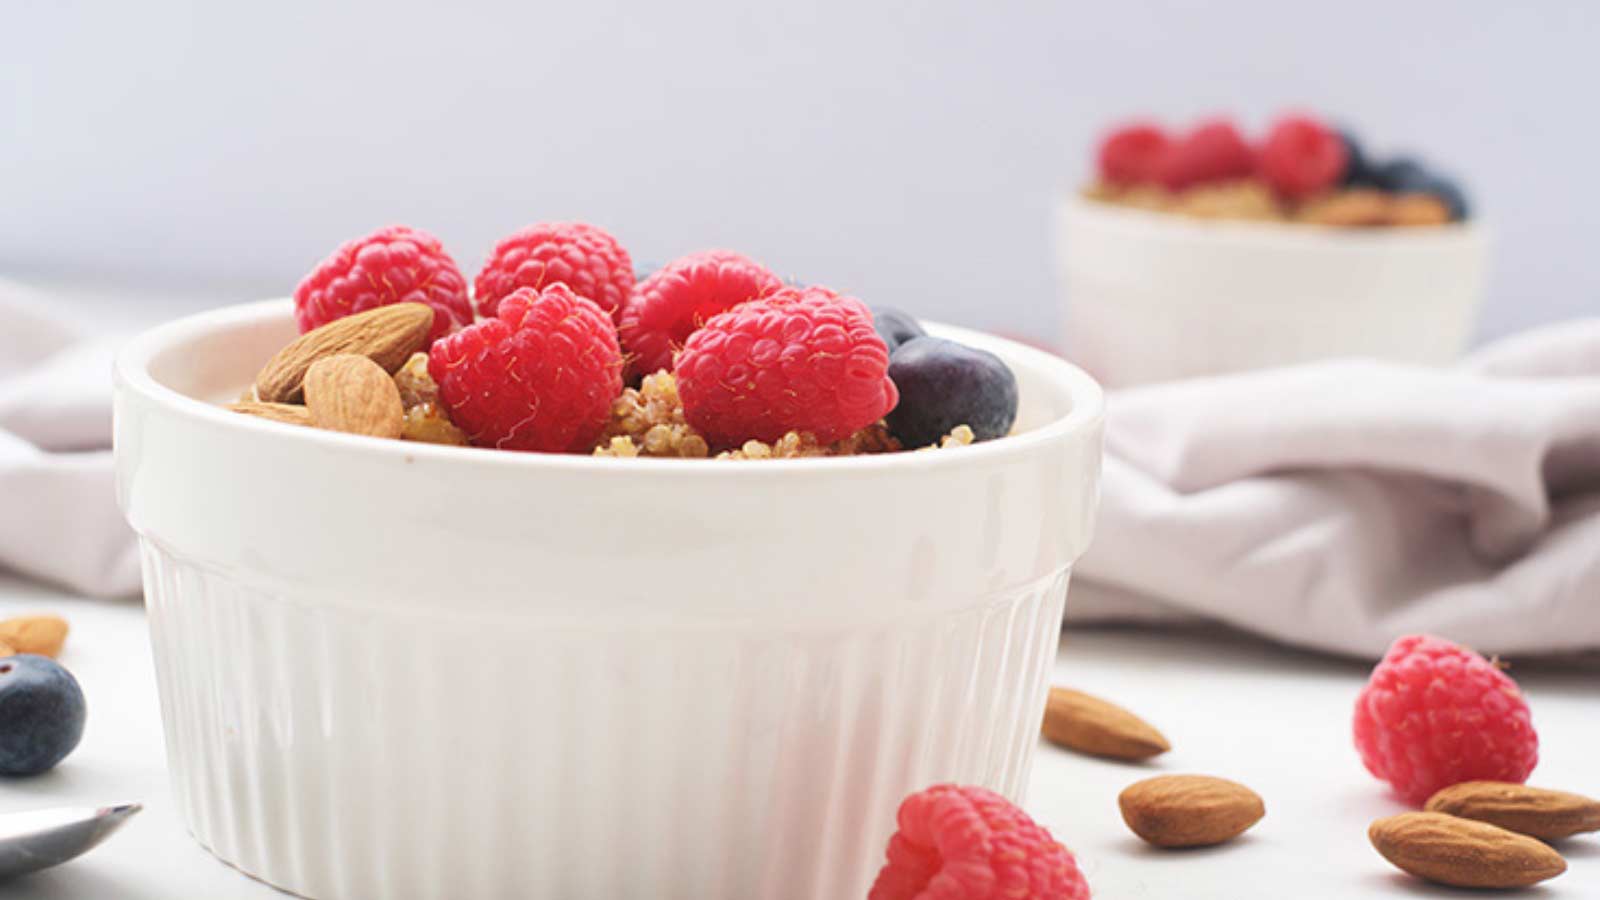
(425, 419)
(1251, 200)
(648, 421)
(645, 421)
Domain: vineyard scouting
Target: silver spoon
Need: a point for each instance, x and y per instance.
(30, 841)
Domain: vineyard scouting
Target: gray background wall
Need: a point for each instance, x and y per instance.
(909, 152)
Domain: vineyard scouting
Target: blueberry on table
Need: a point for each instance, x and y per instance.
(944, 384)
(41, 714)
(894, 326)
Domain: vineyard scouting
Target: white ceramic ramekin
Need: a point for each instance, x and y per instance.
(397, 670)
(1154, 297)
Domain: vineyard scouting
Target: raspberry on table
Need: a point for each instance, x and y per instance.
(670, 304)
(802, 359)
(584, 257)
(395, 264)
(1133, 153)
(1435, 714)
(1301, 157)
(1212, 151)
(539, 376)
(968, 843)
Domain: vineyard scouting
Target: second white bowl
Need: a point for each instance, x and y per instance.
(1154, 297)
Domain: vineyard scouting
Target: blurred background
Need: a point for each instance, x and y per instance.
(193, 153)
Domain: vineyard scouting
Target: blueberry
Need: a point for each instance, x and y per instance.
(1408, 176)
(894, 326)
(1449, 193)
(943, 384)
(1358, 169)
(1402, 174)
(41, 714)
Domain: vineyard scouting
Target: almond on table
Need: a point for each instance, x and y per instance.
(1536, 812)
(1189, 810)
(1463, 852)
(1088, 724)
(42, 635)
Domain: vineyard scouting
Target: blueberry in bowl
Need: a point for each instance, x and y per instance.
(944, 384)
(894, 326)
(41, 714)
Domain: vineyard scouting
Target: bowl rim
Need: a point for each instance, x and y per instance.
(1277, 235)
(132, 374)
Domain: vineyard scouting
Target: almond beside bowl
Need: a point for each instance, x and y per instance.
(1152, 296)
(396, 670)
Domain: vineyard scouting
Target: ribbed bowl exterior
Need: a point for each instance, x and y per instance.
(345, 755)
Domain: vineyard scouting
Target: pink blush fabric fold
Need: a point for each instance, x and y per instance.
(1337, 505)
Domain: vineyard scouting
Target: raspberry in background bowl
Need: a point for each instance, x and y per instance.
(1315, 251)
(412, 670)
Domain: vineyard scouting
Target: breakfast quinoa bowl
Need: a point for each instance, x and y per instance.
(403, 668)
(1201, 253)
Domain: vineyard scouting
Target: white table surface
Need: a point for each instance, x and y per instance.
(1274, 719)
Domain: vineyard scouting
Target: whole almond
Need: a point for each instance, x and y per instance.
(1462, 852)
(355, 395)
(43, 635)
(1189, 810)
(387, 335)
(288, 413)
(1088, 724)
(1536, 812)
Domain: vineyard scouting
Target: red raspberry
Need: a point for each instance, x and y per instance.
(798, 359)
(1213, 151)
(1133, 154)
(1436, 714)
(669, 305)
(966, 843)
(586, 257)
(391, 265)
(539, 376)
(1302, 156)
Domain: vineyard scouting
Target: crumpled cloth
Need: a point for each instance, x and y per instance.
(1337, 505)
(58, 512)
(1333, 505)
